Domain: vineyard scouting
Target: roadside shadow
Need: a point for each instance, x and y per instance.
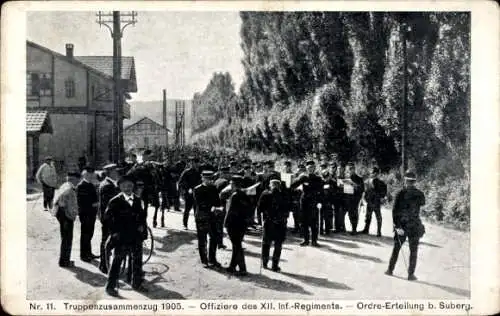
(174, 239)
(345, 244)
(266, 282)
(91, 278)
(258, 243)
(352, 254)
(365, 239)
(449, 289)
(259, 256)
(319, 282)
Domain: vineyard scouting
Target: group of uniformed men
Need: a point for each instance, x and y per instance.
(226, 193)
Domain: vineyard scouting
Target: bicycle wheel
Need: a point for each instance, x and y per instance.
(147, 247)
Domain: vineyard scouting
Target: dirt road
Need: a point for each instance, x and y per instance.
(345, 267)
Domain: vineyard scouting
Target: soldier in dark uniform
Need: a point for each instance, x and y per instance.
(407, 223)
(128, 229)
(274, 206)
(87, 199)
(207, 206)
(145, 171)
(268, 175)
(310, 199)
(352, 199)
(222, 182)
(108, 189)
(239, 216)
(339, 201)
(375, 192)
(329, 188)
(188, 180)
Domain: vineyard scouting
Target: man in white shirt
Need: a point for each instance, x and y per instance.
(47, 177)
(65, 210)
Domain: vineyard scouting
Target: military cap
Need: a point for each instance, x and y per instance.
(73, 174)
(207, 173)
(288, 163)
(350, 164)
(147, 152)
(276, 181)
(310, 163)
(410, 175)
(233, 163)
(126, 178)
(224, 169)
(375, 170)
(301, 166)
(246, 167)
(49, 158)
(323, 165)
(110, 166)
(270, 163)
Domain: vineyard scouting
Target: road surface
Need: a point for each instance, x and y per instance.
(345, 267)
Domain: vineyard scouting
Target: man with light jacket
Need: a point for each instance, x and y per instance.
(47, 177)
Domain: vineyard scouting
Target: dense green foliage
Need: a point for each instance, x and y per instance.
(333, 82)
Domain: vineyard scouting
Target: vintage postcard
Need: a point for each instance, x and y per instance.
(260, 157)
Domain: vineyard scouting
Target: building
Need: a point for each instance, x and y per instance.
(74, 94)
(144, 134)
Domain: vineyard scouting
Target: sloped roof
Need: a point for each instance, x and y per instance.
(146, 120)
(38, 122)
(105, 64)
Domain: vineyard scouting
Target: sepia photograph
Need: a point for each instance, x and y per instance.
(265, 155)
(265, 158)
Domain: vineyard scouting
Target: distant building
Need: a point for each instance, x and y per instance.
(70, 106)
(144, 134)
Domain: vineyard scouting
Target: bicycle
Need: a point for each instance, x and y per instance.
(147, 252)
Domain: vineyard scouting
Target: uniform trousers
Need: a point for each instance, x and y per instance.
(351, 206)
(370, 209)
(310, 219)
(339, 210)
(66, 229)
(188, 205)
(120, 254)
(105, 253)
(204, 228)
(273, 232)
(87, 222)
(398, 243)
(48, 196)
(236, 235)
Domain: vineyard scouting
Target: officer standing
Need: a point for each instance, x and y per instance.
(47, 177)
(221, 183)
(329, 188)
(108, 189)
(128, 229)
(375, 193)
(353, 187)
(87, 211)
(274, 207)
(407, 223)
(65, 210)
(206, 207)
(310, 199)
(239, 215)
(188, 180)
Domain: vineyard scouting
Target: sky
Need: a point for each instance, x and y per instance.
(177, 51)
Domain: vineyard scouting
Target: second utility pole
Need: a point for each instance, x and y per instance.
(117, 74)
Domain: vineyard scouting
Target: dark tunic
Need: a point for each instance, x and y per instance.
(239, 211)
(86, 194)
(189, 179)
(125, 220)
(375, 191)
(274, 207)
(406, 211)
(205, 197)
(312, 191)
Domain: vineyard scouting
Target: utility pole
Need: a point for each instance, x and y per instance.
(404, 112)
(115, 19)
(165, 116)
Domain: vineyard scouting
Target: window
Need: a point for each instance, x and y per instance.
(152, 127)
(38, 84)
(146, 142)
(69, 87)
